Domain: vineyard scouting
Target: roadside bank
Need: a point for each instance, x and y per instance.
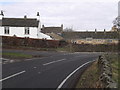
(102, 73)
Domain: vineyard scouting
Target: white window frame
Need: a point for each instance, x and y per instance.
(6, 30)
(27, 30)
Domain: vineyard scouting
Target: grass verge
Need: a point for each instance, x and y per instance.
(115, 64)
(28, 48)
(89, 78)
(15, 55)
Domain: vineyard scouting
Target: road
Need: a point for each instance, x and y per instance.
(58, 70)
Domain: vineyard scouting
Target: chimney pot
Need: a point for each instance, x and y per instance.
(38, 14)
(2, 13)
(25, 16)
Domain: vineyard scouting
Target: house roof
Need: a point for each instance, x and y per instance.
(55, 36)
(84, 35)
(52, 29)
(20, 22)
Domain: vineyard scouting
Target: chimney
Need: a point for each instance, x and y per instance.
(25, 16)
(95, 30)
(38, 16)
(104, 31)
(1, 14)
(43, 26)
(62, 26)
(39, 24)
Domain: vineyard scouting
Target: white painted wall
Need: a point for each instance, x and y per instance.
(20, 32)
(1, 31)
(1, 17)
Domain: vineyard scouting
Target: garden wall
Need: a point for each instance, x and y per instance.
(30, 42)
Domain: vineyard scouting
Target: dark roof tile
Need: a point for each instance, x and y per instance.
(20, 22)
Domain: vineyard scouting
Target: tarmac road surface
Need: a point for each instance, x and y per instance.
(58, 70)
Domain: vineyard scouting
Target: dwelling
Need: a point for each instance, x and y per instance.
(56, 30)
(21, 27)
(105, 37)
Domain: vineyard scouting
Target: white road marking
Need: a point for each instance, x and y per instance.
(72, 74)
(39, 72)
(34, 67)
(31, 59)
(12, 76)
(78, 56)
(65, 54)
(34, 58)
(54, 62)
(6, 59)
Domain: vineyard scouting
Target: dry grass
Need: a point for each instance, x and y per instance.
(115, 64)
(89, 78)
(15, 55)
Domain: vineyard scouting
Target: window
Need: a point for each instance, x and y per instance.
(27, 31)
(6, 30)
(99, 40)
(89, 39)
(109, 40)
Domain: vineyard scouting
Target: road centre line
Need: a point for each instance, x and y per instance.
(12, 76)
(4, 59)
(62, 83)
(32, 59)
(35, 58)
(34, 67)
(54, 62)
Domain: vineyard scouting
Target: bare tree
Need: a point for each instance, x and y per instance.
(68, 30)
(116, 22)
(70, 37)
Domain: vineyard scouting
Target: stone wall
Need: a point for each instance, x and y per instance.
(95, 48)
(105, 72)
(43, 43)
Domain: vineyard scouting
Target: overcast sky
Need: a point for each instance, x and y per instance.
(76, 14)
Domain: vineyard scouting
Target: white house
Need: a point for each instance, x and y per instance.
(22, 27)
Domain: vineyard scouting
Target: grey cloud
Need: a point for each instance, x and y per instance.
(80, 15)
